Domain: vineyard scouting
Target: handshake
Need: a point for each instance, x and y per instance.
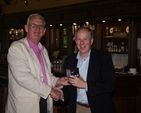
(72, 78)
(56, 93)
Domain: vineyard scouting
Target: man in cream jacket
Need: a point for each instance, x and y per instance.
(27, 71)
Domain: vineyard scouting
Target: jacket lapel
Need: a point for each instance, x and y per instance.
(31, 53)
(92, 62)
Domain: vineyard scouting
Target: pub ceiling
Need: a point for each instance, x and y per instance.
(14, 6)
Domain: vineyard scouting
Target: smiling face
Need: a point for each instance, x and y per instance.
(83, 42)
(35, 29)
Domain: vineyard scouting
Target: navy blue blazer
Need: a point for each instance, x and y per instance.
(100, 82)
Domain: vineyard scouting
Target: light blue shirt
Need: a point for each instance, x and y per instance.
(83, 69)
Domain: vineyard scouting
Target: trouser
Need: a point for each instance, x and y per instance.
(43, 105)
(82, 109)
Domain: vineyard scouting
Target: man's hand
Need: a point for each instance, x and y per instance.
(62, 95)
(56, 94)
(63, 81)
(77, 81)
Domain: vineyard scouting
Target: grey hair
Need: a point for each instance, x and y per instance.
(91, 33)
(35, 15)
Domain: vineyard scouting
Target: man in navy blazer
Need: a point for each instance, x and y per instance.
(92, 91)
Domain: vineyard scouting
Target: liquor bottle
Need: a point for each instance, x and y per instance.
(122, 47)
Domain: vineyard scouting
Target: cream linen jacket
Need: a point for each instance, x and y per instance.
(25, 79)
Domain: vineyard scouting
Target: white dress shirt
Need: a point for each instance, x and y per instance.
(83, 68)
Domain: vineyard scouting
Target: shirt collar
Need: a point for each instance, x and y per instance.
(39, 47)
(78, 55)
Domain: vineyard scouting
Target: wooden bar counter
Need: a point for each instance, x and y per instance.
(127, 93)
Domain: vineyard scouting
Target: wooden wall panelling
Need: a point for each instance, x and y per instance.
(52, 40)
(70, 41)
(138, 36)
(132, 42)
(91, 11)
(98, 36)
(3, 38)
(47, 40)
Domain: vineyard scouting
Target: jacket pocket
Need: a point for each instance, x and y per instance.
(25, 95)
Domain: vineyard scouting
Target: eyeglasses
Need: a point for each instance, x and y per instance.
(35, 26)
